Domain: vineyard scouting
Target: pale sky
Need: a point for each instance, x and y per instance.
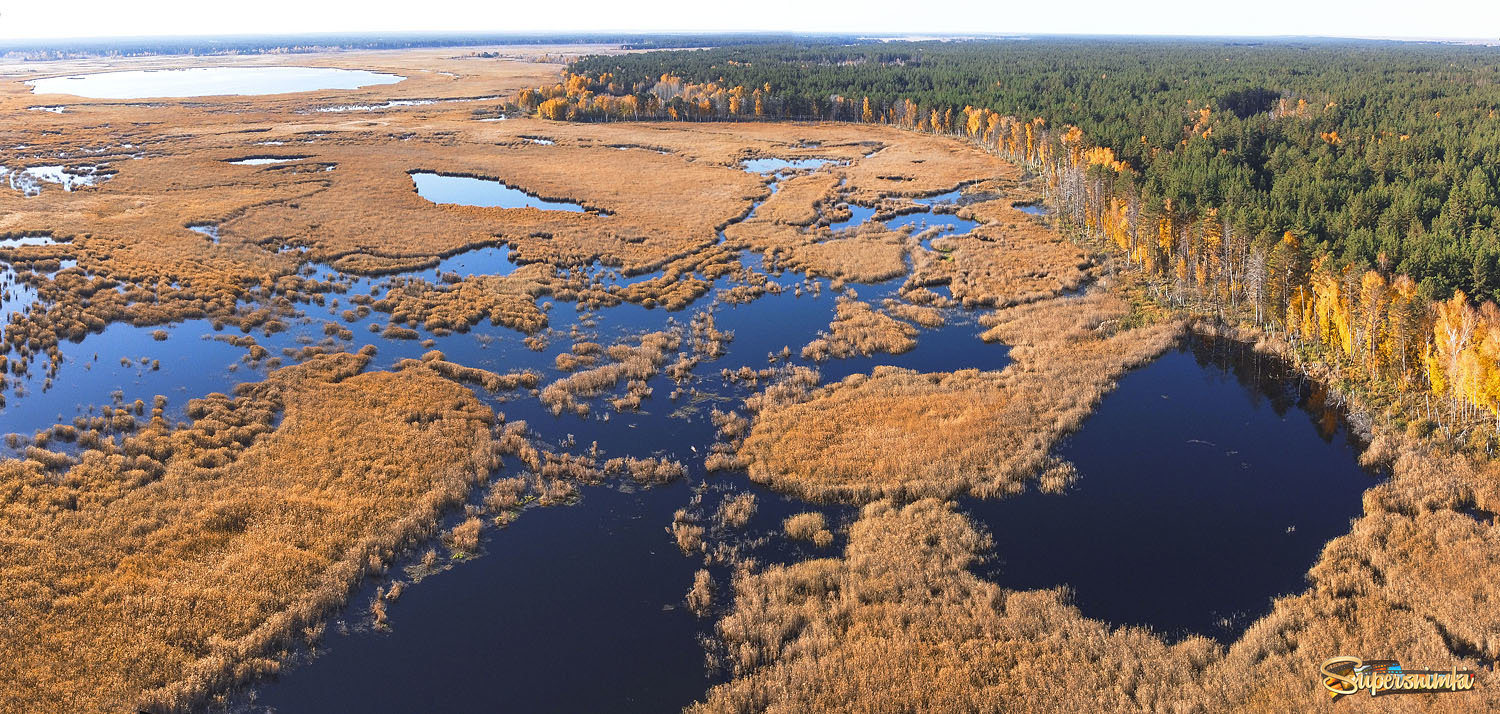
(1465, 19)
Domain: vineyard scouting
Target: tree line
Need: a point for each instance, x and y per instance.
(1340, 192)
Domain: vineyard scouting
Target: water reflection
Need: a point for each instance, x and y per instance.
(1209, 482)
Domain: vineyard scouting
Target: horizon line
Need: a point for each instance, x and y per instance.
(878, 35)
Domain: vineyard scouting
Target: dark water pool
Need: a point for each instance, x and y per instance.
(575, 608)
(1208, 483)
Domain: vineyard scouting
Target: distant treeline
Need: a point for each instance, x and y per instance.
(1341, 193)
(302, 43)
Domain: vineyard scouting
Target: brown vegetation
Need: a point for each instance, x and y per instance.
(900, 433)
(1008, 260)
(635, 363)
(203, 550)
(737, 510)
(809, 526)
(858, 329)
(645, 470)
(194, 556)
(701, 597)
(900, 623)
(492, 382)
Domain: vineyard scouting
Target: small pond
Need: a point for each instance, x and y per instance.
(19, 241)
(490, 260)
(211, 230)
(469, 191)
(264, 160)
(771, 166)
(29, 181)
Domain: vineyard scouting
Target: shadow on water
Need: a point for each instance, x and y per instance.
(1208, 483)
(573, 609)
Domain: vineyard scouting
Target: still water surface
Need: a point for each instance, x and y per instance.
(208, 81)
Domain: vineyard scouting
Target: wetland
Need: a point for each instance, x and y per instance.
(635, 416)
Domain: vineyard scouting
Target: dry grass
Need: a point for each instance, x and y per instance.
(636, 363)
(701, 597)
(867, 255)
(194, 556)
(1008, 261)
(900, 623)
(686, 531)
(509, 300)
(900, 433)
(197, 554)
(139, 263)
(796, 200)
(434, 361)
(859, 329)
(809, 526)
(737, 510)
(645, 470)
(922, 315)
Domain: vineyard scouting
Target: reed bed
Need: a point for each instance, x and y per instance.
(899, 622)
(198, 554)
(859, 329)
(809, 526)
(901, 433)
(635, 363)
